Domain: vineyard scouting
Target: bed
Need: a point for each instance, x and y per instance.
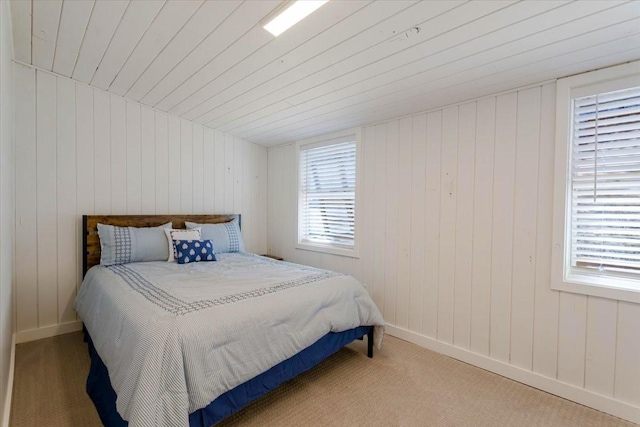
(189, 345)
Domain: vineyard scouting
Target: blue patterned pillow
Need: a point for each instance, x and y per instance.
(194, 251)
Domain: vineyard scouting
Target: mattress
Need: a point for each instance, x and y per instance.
(175, 337)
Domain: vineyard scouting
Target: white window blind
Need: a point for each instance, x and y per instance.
(605, 182)
(327, 194)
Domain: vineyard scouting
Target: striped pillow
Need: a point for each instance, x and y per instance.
(122, 245)
(226, 236)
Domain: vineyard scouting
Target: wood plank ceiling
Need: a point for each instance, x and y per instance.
(350, 63)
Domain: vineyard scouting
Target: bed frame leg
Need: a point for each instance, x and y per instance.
(370, 343)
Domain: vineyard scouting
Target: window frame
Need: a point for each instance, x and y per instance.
(328, 248)
(564, 277)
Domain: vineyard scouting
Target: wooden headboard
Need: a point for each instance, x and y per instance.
(91, 240)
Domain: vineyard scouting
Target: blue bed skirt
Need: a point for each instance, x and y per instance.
(104, 397)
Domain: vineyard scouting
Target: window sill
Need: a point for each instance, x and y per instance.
(599, 286)
(328, 249)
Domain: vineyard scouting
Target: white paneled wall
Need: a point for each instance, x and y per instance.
(456, 248)
(81, 150)
(6, 212)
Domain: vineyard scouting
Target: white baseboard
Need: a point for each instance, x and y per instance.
(579, 395)
(48, 331)
(6, 410)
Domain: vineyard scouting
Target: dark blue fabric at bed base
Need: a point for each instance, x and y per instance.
(104, 398)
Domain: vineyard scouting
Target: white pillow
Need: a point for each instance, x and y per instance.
(173, 234)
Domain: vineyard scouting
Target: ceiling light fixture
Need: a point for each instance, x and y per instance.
(293, 14)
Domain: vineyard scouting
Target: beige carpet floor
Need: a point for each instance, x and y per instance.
(403, 385)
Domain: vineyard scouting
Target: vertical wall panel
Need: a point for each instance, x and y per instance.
(289, 215)
(600, 361)
(251, 193)
(134, 173)
(102, 152)
(80, 150)
(524, 227)
(571, 338)
(84, 149)
(118, 156)
(228, 174)
(26, 198)
(261, 191)
(271, 159)
(174, 165)
(84, 162)
(447, 248)
(281, 175)
(405, 142)
(391, 228)
(464, 225)
(47, 218)
(162, 162)
(186, 166)
(148, 161)
(237, 174)
(219, 172)
(208, 165)
(502, 235)
(482, 226)
(627, 375)
(432, 221)
(66, 182)
(264, 188)
(545, 328)
(380, 207)
(198, 168)
(417, 238)
(368, 200)
(247, 213)
(275, 157)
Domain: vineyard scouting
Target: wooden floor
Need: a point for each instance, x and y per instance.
(403, 385)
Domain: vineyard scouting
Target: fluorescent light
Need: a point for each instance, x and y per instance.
(292, 15)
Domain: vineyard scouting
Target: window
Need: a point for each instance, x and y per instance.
(327, 195)
(598, 175)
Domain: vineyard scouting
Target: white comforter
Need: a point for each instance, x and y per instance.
(174, 337)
